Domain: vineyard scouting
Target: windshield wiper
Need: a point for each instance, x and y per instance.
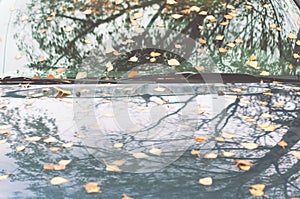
(185, 77)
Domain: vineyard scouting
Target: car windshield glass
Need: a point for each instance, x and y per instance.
(113, 39)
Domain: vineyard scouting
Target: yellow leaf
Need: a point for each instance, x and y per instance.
(4, 177)
(33, 139)
(296, 154)
(154, 54)
(176, 16)
(282, 143)
(194, 9)
(49, 167)
(64, 162)
(239, 41)
(20, 148)
(41, 59)
(155, 151)
(118, 163)
(118, 145)
(58, 180)
(54, 149)
(62, 93)
(267, 115)
(161, 102)
(133, 59)
(195, 152)
(210, 156)
(140, 155)
(202, 41)
(252, 58)
(69, 29)
(257, 189)
(171, 2)
(3, 141)
(201, 138)
(298, 42)
(92, 187)
(291, 67)
(203, 13)
(173, 62)
(59, 167)
(228, 154)
(230, 45)
(249, 145)
(87, 12)
(126, 197)
(109, 67)
(18, 56)
(265, 73)
(60, 70)
(219, 37)
(112, 168)
(207, 181)
(24, 18)
(292, 36)
(50, 140)
(219, 139)
(200, 112)
(68, 145)
(273, 26)
(244, 165)
(227, 135)
(223, 50)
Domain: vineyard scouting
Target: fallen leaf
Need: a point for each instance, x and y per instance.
(290, 67)
(132, 74)
(4, 177)
(92, 187)
(257, 190)
(60, 70)
(62, 93)
(112, 168)
(58, 180)
(207, 181)
(50, 140)
(249, 145)
(173, 62)
(210, 156)
(219, 37)
(109, 67)
(69, 29)
(118, 145)
(227, 135)
(195, 152)
(296, 154)
(203, 13)
(223, 50)
(176, 16)
(87, 12)
(171, 2)
(126, 197)
(239, 41)
(202, 41)
(118, 163)
(3, 141)
(200, 112)
(154, 54)
(140, 155)
(33, 139)
(133, 59)
(219, 139)
(228, 154)
(41, 59)
(243, 164)
(68, 145)
(49, 167)
(24, 18)
(282, 143)
(230, 45)
(201, 138)
(54, 149)
(155, 151)
(20, 148)
(292, 36)
(64, 162)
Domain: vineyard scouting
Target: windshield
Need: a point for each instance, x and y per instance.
(112, 39)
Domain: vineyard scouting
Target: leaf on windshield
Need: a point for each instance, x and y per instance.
(171, 2)
(201, 138)
(250, 146)
(112, 168)
(58, 180)
(133, 59)
(92, 187)
(118, 145)
(282, 143)
(173, 62)
(244, 165)
(4, 177)
(296, 154)
(62, 93)
(210, 156)
(140, 155)
(126, 197)
(50, 140)
(195, 152)
(207, 181)
(257, 190)
(68, 145)
(20, 148)
(176, 16)
(155, 151)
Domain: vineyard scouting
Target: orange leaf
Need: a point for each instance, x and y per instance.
(201, 138)
(50, 76)
(92, 187)
(133, 74)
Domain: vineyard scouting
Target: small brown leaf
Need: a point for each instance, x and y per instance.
(126, 197)
(227, 135)
(54, 149)
(201, 138)
(195, 152)
(257, 190)
(64, 162)
(92, 187)
(243, 164)
(282, 143)
(228, 154)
